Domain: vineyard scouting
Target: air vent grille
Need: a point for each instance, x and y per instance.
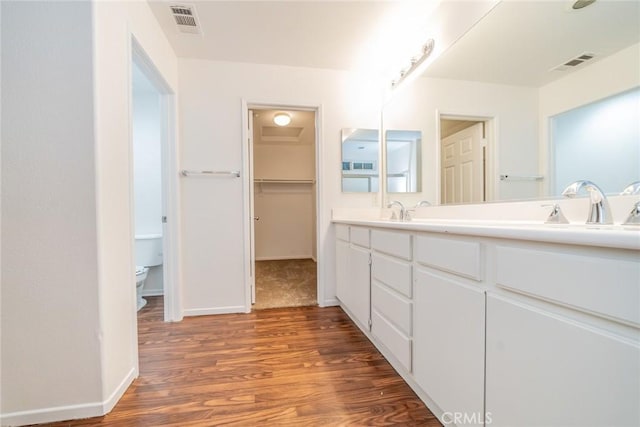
(574, 62)
(186, 19)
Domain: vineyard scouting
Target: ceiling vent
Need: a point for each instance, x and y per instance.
(185, 17)
(574, 62)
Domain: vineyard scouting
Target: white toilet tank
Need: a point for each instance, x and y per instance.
(148, 250)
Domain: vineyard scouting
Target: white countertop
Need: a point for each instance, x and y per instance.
(611, 236)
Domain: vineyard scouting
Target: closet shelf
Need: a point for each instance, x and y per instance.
(283, 181)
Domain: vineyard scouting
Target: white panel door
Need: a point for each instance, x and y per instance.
(462, 166)
(547, 370)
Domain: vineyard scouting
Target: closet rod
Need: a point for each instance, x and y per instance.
(213, 174)
(283, 181)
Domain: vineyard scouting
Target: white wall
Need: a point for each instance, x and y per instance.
(114, 24)
(211, 133)
(514, 108)
(147, 160)
(147, 170)
(50, 308)
(617, 73)
(285, 228)
(69, 345)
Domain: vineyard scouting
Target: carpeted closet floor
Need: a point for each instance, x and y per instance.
(286, 283)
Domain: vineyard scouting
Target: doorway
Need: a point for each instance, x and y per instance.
(153, 187)
(465, 153)
(283, 200)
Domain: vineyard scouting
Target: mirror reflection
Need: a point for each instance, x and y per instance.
(518, 71)
(360, 153)
(403, 160)
(601, 141)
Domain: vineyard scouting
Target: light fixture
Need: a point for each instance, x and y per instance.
(416, 61)
(282, 119)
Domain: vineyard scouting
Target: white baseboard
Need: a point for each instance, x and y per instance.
(281, 258)
(330, 302)
(111, 401)
(152, 292)
(216, 310)
(69, 412)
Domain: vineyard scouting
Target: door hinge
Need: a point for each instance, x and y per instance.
(164, 219)
(370, 259)
(370, 324)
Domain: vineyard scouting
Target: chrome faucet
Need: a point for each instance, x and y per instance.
(633, 188)
(555, 216)
(599, 210)
(422, 203)
(634, 215)
(401, 206)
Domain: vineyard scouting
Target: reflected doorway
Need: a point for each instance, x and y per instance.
(464, 159)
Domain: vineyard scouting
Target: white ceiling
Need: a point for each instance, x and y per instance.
(516, 43)
(333, 34)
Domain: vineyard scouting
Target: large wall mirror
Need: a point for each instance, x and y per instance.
(360, 160)
(521, 72)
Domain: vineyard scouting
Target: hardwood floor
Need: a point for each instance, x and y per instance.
(304, 366)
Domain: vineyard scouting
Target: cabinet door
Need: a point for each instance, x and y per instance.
(359, 293)
(342, 270)
(545, 369)
(448, 340)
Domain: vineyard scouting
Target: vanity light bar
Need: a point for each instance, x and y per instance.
(427, 48)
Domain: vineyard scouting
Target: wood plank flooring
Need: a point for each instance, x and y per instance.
(304, 366)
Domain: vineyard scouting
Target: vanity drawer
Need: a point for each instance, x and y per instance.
(342, 232)
(394, 340)
(360, 236)
(392, 306)
(392, 272)
(607, 286)
(389, 242)
(451, 255)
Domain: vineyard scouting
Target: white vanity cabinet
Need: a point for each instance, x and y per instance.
(391, 293)
(353, 272)
(500, 330)
(450, 324)
(562, 337)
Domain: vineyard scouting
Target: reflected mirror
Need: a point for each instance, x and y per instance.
(403, 160)
(518, 70)
(360, 157)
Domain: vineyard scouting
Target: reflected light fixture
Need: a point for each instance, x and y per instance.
(416, 61)
(282, 119)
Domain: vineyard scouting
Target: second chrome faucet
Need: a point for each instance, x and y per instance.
(599, 210)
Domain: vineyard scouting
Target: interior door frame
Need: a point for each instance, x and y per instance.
(170, 192)
(491, 159)
(249, 250)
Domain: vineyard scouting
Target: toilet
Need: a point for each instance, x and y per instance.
(148, 254)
